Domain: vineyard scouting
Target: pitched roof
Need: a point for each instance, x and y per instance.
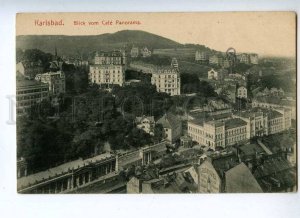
(169, 121)
(239, 179)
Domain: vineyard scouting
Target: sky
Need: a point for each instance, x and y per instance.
(265, 33)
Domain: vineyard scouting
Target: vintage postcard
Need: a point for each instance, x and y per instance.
(156, 102)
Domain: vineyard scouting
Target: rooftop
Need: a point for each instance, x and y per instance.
(169, 121)
(239, 179)
(59, 170)
(234, 123)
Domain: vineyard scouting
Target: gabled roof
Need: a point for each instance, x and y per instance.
(169, 121)
(239, 179)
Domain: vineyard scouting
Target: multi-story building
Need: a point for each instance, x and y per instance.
(242, 92)
(172, 126)
(116, 57)
(220, 131)
(166, 79)
(263, 121)
(174, 63)
(273, 102)
(55, 80)
(217, 133)
(253, 58)
(256, 122)
(244, 58)
(202, 56)
(109, 68)
(134, 52)
(29, 92)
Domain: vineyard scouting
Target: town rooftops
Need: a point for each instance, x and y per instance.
(249, 114)
(251, 149)
(271, 166)
(234, 123)
(275, 100)
(239, 179)
(59, 170)
(22, 82)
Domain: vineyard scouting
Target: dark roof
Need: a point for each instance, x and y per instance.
(275, 100)
(251, 149)
(197, 121)
(169, 121)
(271, 166)
(239, 179)
(233, 123)
(21, 82)
(223, 163)
(274, 114)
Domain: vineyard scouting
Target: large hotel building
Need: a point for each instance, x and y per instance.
(109, 68)
(166, 79)
(239, 127)
(29, 92)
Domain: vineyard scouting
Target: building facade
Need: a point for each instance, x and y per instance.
(253, 58)
(242, 92)
(55, 80)
(209, 179)
(212, 74)
(202, 56)
(109, 68)
(166, 79)
(172, 127)
(216, 133)
(29, 93)
(134, 52)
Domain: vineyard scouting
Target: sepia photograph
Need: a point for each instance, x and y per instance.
(156, 103)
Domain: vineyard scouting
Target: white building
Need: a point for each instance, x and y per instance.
(218, 133)
(109, 68)
(212, 74)
(174, 63)
(55, 80)
(253, 58)
(145, 52)
(242, 92)
(134, 52)
(201, 56)
(146, 123)
(166, 79)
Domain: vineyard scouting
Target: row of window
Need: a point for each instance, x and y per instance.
(32, 91)
(235, 131)
(36, 96)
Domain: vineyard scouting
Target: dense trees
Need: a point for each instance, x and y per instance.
(190, 83)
